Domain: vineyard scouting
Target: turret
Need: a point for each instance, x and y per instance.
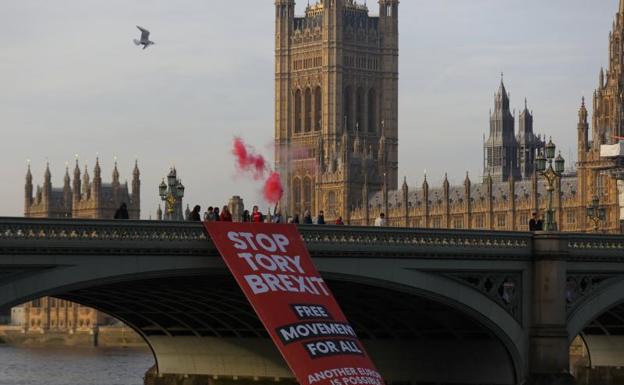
(136, 188)
(405, 202)
(159, 213)
(76, 184)
(601, 78)
(425, 188)
(67, 193)
(28, 191)
(468, 202)
(446, 187)
(86, 183)
(47, 183)
(583, 132)
(97, 181)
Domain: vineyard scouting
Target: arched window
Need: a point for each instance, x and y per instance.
(298, 116)
(331, 202)
(318, 113)
(308, 110)
(372, 111)
(296, 188)
(307, 194)
(348, 108)
(359, 105)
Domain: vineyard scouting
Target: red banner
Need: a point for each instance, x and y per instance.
(273, 268)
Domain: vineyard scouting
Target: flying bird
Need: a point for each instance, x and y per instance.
(145, 41)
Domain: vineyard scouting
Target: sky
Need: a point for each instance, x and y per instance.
(72, 82)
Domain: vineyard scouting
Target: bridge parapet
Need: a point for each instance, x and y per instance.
(75, 236)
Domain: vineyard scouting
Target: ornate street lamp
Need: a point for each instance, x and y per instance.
(172, 193)
(596, 213)
(551, 175)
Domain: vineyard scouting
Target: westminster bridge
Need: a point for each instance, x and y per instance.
(431, 306)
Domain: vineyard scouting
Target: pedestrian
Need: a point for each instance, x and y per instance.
(339, 221)
(536, 224)
(217, 216)
(195, 215)
(277, 217)
(295, 219)
(320, 220)
(226, 216)
(256, 215)
(307, 218)
(209, 215)
(122, 212)
(246, 218)
(381, 220)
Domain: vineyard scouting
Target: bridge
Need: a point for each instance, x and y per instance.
(431, 306)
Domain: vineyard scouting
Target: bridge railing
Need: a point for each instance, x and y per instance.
(79, 236)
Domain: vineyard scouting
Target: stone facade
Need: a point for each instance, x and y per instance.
(78, 198)
(338, 154)
(336, 112)
(81, 197)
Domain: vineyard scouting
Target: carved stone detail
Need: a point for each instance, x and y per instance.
(504, 288)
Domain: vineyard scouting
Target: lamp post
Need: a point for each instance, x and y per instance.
(596, 213)
(172, 193)
(551, 175)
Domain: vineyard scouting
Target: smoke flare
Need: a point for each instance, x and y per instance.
(248, 161)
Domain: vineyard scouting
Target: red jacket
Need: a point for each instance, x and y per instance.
(257, 217)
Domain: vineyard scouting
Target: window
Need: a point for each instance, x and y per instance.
(298, 116)
(308, 110)
(331, 209)
(360, 108)
(524, 220)
(318, 110)
(372, 110)
(297, 196)
(458, 222)
(571, 217)
(307, 194)
(436, 223)
(501, 220)
(348, 109)
(479, 222)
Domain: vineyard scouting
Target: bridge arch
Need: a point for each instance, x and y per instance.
(599, 320)
(108, 287)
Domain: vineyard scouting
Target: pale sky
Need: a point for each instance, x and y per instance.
(72, 82)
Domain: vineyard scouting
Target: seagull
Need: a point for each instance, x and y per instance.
(145, 41)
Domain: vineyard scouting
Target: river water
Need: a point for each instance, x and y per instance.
(73, 366)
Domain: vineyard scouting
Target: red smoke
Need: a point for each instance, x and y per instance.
(273, 189)
(248, 161)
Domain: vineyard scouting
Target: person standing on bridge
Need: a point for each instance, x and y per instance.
(536, 224)
(307, 218)
(256, 215)
(122, 212)
(226, 216)
(320, 220)
(195, 215)
(381, 220)
(339, 221)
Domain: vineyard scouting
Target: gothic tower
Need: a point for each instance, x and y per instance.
(529, 144)
(336, 103)
(501, 148)
(609, 96)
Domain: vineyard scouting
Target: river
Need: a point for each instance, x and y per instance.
(73, 366)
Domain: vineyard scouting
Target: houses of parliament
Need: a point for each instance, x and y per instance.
(336, 133)
(82, 198)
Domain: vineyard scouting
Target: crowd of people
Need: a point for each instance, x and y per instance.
(213, 214)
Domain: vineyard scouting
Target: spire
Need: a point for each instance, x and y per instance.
(601, 78)
(446, 184)
(583, 110)
(96, 170)
(47, 175)
(136, 173)
(425, 183)
(115, 174)
(28, 175)
(404, 183)
(66, 179)
(467, 182)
